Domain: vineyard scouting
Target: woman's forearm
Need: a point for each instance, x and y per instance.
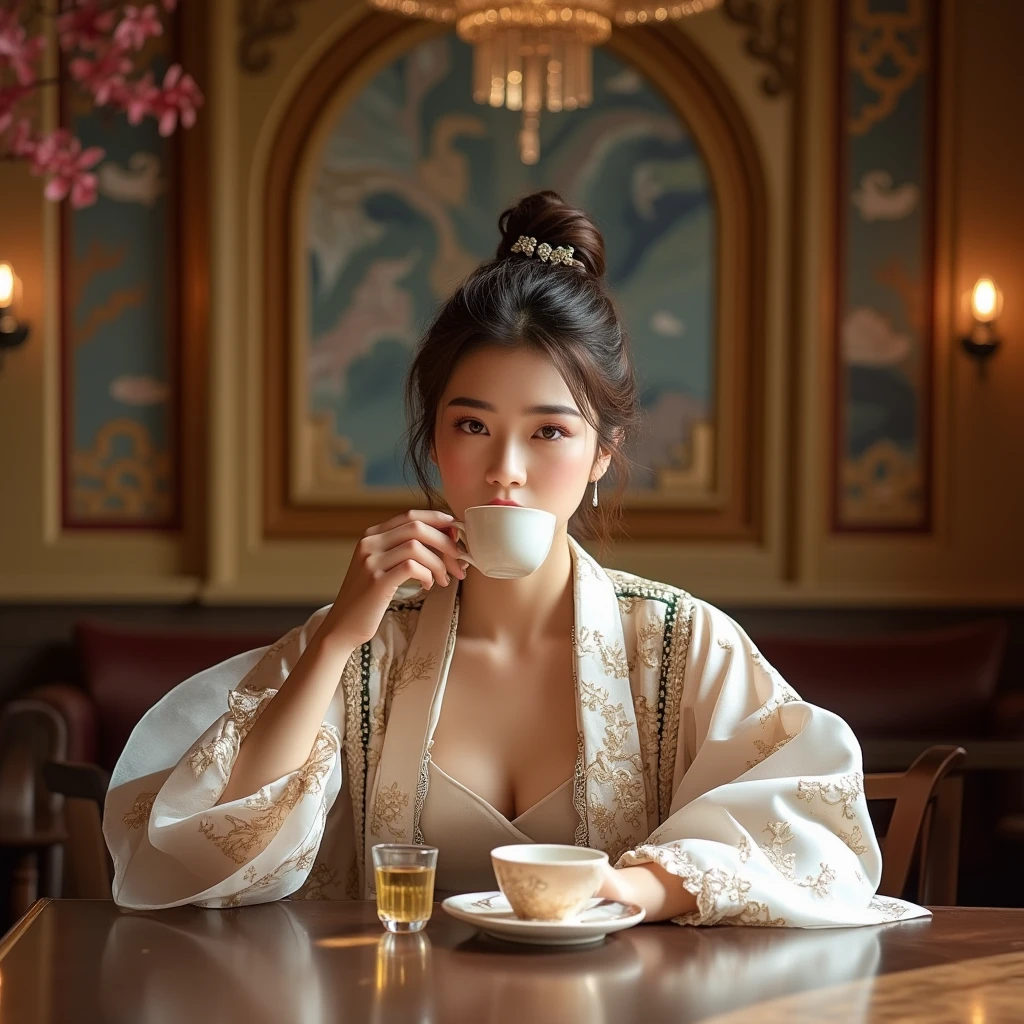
(283, 736)
(650, 886)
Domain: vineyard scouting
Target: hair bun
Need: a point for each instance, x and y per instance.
(547, 217)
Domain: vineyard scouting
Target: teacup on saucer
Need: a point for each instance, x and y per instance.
(547, 881)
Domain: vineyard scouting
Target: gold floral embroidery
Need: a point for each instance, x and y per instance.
(618, 725)
(377, 728)
(386, 810)
(579, 794)
(784, 861)
(744, 847)
(647, 729)
(354, 684)
(854, 839)
(299, 861)
(406, 671)
(247, 837)
(259, 801)
(221, 751)
(649, 640)
(765, 750)
(627, 604)
(725, 643)
(891, 910)
(709, 886)
(142, 808)
(627, 786)
(613, 657)
(320, 878)
(783, 695)
(844, 792)
(405, 618)
(245, 705)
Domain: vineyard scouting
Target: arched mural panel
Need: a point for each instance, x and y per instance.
(384, 194)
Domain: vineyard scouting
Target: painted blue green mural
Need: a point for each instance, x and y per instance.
(118, 340)
(885, 264)
(403, 203)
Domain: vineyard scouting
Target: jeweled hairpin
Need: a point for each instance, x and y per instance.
(527, 245)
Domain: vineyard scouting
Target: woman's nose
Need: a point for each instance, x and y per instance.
(508, 466)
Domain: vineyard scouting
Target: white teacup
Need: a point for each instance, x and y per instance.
(506, 542)
(547, 881)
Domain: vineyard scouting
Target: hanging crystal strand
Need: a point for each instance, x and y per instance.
(571, 74)
(514, 66)
(497, 70)
(529, 138)
(556, 65)
(586, 75)
(482, 71)
(533, 95)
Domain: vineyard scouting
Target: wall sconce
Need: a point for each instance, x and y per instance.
(12, 333)
(986, 305)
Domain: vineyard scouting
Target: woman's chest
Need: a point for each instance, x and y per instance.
(507, 728)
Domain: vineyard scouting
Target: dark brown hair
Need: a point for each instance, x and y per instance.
(517, 300)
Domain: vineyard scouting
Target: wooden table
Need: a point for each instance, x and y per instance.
(297, 962)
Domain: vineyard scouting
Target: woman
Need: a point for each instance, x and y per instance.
(578, 705)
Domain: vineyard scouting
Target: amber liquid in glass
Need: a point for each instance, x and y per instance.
(405, 894)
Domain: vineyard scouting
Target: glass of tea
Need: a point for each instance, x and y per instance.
(405, 885)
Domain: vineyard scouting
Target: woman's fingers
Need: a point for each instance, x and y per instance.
(415, 551)
(429, 516)
(408, 569)
(435, 538)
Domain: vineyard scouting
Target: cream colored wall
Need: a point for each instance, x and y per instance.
(973, 557)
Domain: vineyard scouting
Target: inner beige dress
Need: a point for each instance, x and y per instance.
(465, 828)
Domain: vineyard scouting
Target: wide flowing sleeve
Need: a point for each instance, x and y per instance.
(170, 840)
(768, 823)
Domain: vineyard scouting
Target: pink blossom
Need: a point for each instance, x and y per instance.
(60, 155)
(169, 5)
(142, 97)
(179, 96)
(17, 51)
(85, 26)
(138, 25)
(104, 76)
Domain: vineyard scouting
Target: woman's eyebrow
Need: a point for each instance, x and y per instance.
(534, 410)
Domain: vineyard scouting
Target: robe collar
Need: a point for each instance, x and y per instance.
(608, 793)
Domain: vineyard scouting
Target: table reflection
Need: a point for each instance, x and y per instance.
(255, 964)
(262, 964)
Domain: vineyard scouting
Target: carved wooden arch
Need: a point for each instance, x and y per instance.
(674, 65)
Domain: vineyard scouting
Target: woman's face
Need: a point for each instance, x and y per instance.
(507, 428)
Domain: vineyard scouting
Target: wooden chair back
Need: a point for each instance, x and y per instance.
(925, 825)
(88, 869)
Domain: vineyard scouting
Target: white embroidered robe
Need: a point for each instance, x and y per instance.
(693, 752)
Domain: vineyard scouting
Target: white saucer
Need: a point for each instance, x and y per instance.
(491, 913)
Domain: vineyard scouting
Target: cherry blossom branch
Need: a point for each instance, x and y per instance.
(102, 41)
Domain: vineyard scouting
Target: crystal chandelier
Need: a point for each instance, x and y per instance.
(532, 55)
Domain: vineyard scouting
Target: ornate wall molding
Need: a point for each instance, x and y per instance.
(772, 38)
(260, 21)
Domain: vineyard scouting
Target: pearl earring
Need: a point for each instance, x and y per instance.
(594, 499)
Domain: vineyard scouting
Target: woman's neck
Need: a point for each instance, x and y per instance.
(518, 613)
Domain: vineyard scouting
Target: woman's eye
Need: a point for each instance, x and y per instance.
(471, 424)
(558, 430)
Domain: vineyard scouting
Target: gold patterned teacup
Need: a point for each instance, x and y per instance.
(548, 881)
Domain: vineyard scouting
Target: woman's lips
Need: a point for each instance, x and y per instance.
(499, 501)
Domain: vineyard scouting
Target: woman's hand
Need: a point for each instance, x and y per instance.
(650, 886)
(413, 545)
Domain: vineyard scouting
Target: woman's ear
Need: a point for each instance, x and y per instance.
(604, 456)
